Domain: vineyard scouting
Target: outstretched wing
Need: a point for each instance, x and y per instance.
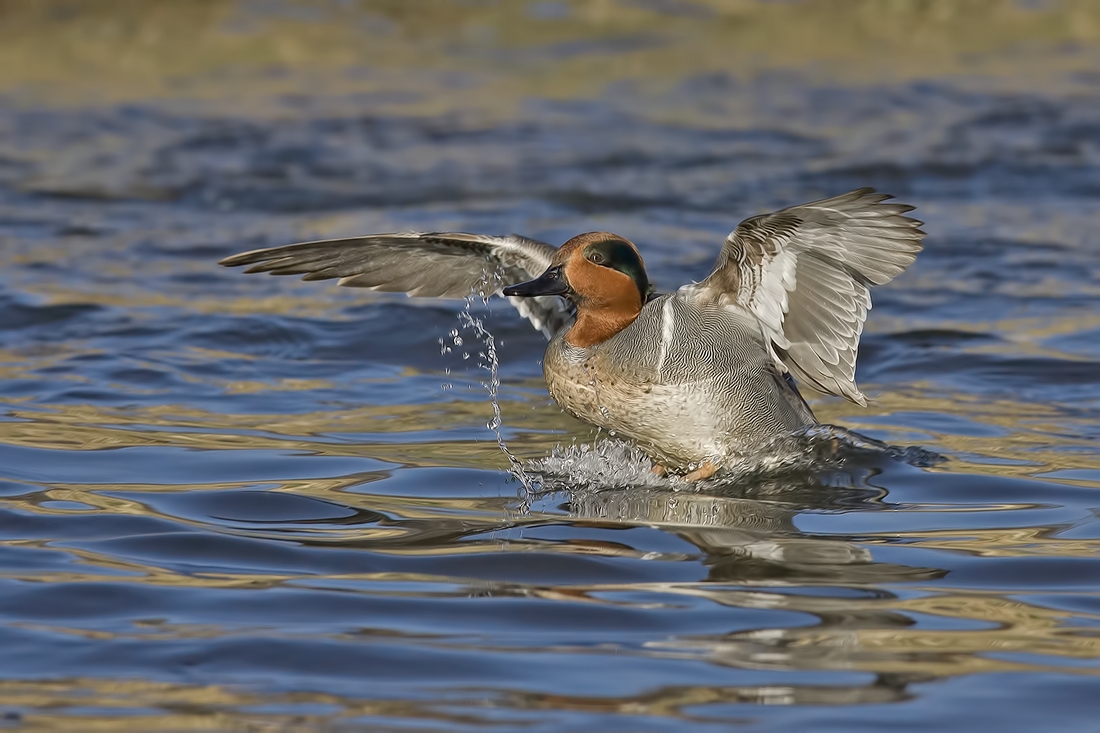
(806, 273)
(437, 265)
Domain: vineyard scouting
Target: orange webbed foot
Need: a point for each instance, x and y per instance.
(706, 470)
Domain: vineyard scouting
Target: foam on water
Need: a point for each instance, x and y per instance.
(614, 464)
(608, 463)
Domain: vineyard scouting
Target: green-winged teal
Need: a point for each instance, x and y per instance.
(697, 377)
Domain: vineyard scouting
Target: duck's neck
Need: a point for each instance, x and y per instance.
(594, 326)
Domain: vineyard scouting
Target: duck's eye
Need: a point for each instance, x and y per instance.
(596, 258)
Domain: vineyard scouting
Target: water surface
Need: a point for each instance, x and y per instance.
(247, 503)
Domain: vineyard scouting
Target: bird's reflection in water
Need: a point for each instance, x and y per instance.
(680, 701)
(757, 558)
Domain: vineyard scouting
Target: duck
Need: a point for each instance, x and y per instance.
(698, 378)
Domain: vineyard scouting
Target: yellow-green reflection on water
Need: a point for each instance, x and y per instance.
(122, 50)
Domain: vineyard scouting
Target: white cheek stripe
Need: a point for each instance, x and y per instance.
(668, 326)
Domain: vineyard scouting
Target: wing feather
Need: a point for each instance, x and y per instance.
(430, 265)
(806, 272)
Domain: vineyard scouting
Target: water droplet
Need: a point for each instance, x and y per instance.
(487, 360)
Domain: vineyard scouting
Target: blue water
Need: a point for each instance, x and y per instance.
(238, 502)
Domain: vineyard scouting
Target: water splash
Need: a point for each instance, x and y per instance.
(602, 464)
(487, 360)
(617, 464)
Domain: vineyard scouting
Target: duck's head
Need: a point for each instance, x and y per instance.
(603, 275)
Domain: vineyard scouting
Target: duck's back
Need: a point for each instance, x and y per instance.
(689, 382)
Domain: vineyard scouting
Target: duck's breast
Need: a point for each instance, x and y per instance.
(687, 382)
